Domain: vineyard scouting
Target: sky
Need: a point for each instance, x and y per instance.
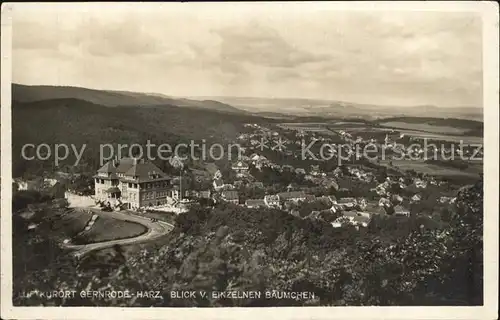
(402, 58)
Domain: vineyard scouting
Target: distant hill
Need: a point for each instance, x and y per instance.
(332, 108)
(23, 93)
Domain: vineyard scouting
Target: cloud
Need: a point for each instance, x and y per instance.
(261, 45)
(372, 57)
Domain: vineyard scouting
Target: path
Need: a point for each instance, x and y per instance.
(155, 230)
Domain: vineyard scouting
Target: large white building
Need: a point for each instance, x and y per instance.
(133, 183)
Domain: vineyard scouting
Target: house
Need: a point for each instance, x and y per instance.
(255, 203)
(374, 209)
(347, 202)
(416, 198)
(420, 183)
(38, 184)
(256, 184)
(230, 196)
(218, 184)
(338, 172)
(444, 199)
(361, 220)
(310, 197)
(384, 202)
(133, 182)
(206, 194)
(314, 170)
(353, 218)
(241, 168)
(272, 200)
(401, 211)
(238, 183)
(294, 196)
(395, 198)
(330, 183)
(325, 199)
(362, 203)
(342, 220)
(295, 213)
(300, 171)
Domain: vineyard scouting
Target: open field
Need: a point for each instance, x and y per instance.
(420, 166)
(306, 127)
(425, 127)
(107, 228)
(442, 137)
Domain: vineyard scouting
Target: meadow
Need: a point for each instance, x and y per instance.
(106, 229)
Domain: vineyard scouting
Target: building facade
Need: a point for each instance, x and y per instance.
(133, 183)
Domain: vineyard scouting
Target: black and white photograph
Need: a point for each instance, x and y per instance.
(251, 156)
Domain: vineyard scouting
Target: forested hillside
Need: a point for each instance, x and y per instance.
(73, 121)
(392, 262)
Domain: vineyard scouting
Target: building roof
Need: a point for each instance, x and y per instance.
(218, 182)
(205, 194)
(271, 197)
(362, 219)
(230, 195)
(346, 200)
(292, 195)
(133, 170)
(255, 202)
(399, 208)
(240, 165)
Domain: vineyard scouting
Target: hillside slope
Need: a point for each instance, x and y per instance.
(23, 93)
(74, 121)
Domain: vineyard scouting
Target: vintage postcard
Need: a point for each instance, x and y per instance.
(294, 160)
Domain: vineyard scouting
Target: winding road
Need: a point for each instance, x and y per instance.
(155, 230)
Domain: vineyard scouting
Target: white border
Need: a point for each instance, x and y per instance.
(489, 12)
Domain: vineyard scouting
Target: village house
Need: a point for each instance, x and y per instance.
(338, 172)
(238, 183)
(241, 168)
(230, 196)
(255, 203)
(132, 182)
(176, 194)
(218, 184)
(347, 203)
(416, 198)
(256, 185)
(272, 200)
(287, 167)
(401, 211)
(329, 183)
(294, 196)
(205, 194)
(300, 171)
(353, 218)
(419, 183)
(384, 202)
(444, 199)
